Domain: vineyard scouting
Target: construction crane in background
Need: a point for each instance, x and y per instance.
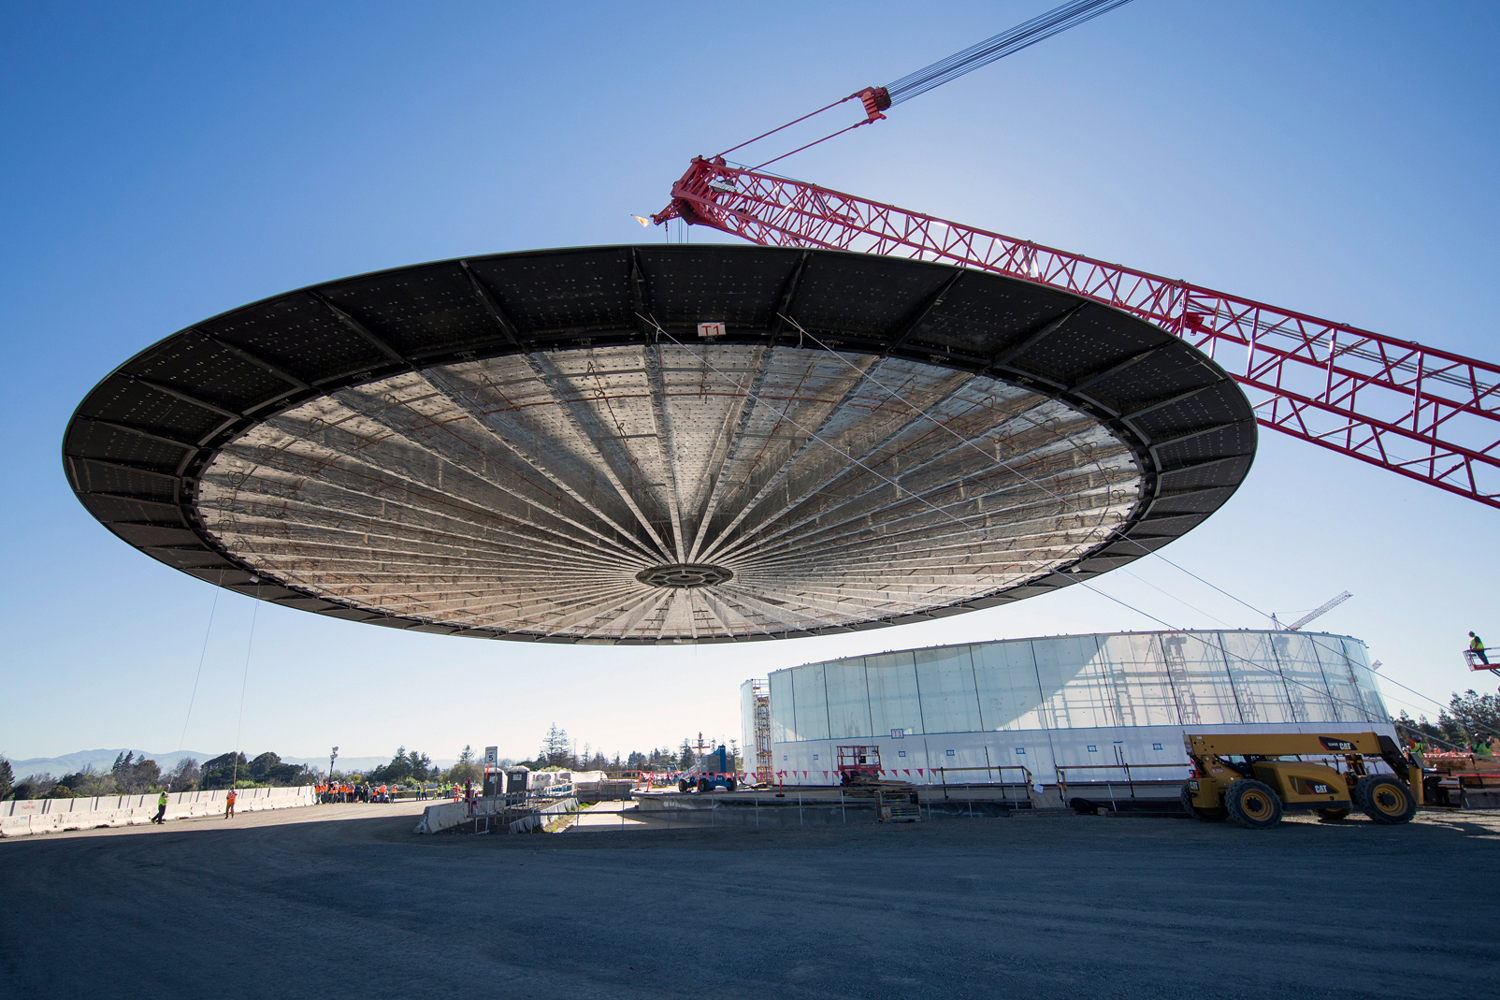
(1424, 413)
(1316, 612)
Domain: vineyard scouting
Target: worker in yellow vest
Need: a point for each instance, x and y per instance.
(1476, 646)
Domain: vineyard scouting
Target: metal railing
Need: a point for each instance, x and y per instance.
(1130, 780)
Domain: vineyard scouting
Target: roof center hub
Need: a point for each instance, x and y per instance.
(685, 576)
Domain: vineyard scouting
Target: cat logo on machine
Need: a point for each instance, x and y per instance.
(1337, 746)
(1318, 788)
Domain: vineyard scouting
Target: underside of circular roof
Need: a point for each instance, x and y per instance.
(663, 443)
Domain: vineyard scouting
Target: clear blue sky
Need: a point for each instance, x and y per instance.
(164, 163)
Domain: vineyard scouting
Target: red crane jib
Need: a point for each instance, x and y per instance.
(1425, 413)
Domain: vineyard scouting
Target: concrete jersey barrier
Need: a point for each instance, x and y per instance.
(19, 818)
(447, 815)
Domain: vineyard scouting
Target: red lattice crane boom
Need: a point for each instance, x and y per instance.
(1422, 412)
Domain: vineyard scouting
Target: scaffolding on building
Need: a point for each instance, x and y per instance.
(764, 758)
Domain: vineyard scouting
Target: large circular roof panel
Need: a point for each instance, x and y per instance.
(665, 443)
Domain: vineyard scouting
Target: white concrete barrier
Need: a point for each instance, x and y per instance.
(446, 815)
(539, 818)
(442, 816)
(28, 816)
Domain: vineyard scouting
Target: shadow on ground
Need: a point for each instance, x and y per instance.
(1034, 907)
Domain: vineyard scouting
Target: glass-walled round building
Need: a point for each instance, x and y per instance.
(1087, 703)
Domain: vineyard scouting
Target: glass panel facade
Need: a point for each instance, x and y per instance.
(1200, 679)
(848, 699)
(894, 702)
(1077, 691)
(1005, 676)
(1258, 685)
(808, 689)
(1304, 677)
(1091, 700)
(782, 707)
(945, 680)
(1143, 690)
(1339, 675)
(1369, 688)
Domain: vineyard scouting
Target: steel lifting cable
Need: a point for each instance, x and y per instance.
(893, 394)
(1174, 597)
(182, 742)
(1324, 692)
(810, 114)
(244, 683)
(1008, 42)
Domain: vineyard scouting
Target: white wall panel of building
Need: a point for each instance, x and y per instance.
(1085, 702)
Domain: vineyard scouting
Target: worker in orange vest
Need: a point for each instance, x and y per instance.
(229, 804)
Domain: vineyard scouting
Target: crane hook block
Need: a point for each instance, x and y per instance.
(876, 100)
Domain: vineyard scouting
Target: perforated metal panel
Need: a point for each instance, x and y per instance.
(540, 446)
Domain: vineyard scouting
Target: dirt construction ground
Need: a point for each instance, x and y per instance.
(343, 901)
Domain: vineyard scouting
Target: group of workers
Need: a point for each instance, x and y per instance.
(345, 791)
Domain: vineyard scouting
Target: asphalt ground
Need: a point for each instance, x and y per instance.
(343, 901)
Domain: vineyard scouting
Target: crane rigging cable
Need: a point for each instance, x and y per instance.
(1009, 42)
(239, 728)
(202, 654)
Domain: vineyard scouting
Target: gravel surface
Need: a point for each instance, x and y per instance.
(343, 901)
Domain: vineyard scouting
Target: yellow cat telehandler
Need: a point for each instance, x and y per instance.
(1252, 778)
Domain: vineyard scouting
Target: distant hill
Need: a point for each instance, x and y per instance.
(101, 760)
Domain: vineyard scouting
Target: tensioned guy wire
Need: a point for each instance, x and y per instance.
(1010, 41)
(182, 742)
(244, 683)
(1320, 692)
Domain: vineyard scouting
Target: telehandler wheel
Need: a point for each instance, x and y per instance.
(1332, 815)
(705, 786)
(1253, 804)
(729, 785)
(682, 785)
(1201, 815)
(1384, 799)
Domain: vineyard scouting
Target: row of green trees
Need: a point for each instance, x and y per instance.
(561, 751)
(412, 767)
(132, 775)
(1470, 721)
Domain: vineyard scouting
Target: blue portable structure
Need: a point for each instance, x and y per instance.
(713, 770)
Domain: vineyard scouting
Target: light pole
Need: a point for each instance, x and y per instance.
(331, 758)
